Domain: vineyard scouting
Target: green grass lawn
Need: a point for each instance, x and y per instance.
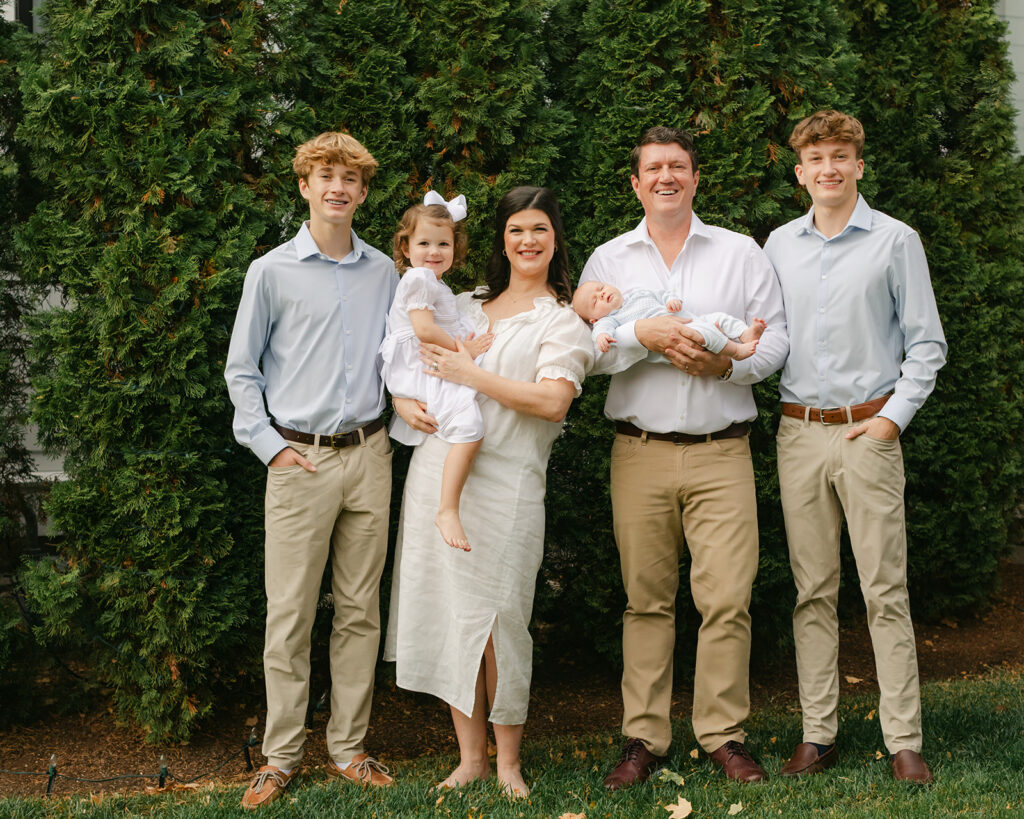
(974, 742)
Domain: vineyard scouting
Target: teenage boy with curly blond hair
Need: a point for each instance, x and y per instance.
(865, 345)
(302, 374)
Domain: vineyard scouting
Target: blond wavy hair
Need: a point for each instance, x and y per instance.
(334, 148)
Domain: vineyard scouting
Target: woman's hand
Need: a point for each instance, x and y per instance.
(414, 413)
(457, 367)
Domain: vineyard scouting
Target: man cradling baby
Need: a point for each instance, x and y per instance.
(606, 308)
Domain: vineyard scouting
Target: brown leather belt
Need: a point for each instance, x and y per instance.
(339, 440)
(836, 415)
(731, 431)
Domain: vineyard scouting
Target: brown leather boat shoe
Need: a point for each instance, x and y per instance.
(909, 766)
(738, 764)
(635, 766)
(363, 769)
(268, 785)
(807, 760)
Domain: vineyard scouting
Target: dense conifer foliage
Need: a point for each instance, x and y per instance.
(158, 138)
(146, 123)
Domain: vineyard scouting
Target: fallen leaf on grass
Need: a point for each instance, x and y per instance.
(878, 754)
(695, 753)
(440, 799)
(252, 721)
(680, 810)
(870, 716)
(947, 622)
(735, 808)
(579, 754)
(573, 816)
(853, 680)
(671, 776)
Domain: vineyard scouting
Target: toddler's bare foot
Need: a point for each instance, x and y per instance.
(754, 331)
(454, 535)
(464, 774)
(512, 783)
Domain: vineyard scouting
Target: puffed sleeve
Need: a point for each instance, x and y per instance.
(418, 290)
(566, 350)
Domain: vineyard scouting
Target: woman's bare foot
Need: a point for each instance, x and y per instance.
(464, 774)
(454, 535)
(512, 783)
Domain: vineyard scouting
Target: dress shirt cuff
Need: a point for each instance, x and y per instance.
(625, 338)
(267, 444)
(741, 372)
(899, 411)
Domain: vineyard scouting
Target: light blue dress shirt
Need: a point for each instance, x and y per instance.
(861, 314)
(305, 338)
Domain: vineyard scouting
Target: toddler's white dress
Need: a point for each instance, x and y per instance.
(454, 406)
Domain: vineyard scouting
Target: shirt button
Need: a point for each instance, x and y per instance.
(820, 310)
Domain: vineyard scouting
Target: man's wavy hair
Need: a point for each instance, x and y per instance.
(825, 126)
(334, 148)
(662, 135)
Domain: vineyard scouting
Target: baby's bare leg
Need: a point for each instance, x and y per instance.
(456, 469)
(737, 351)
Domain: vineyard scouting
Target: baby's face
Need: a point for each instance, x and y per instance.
(594, 301)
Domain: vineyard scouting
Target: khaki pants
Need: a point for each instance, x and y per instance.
(660, 491)
(823, 476)
(340, 511)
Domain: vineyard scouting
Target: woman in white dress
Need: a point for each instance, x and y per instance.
(458, 624)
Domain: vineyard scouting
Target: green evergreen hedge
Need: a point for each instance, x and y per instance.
(147, 123)
(155, 199)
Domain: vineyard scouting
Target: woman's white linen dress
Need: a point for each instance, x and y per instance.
(452, 405)
(444, 601)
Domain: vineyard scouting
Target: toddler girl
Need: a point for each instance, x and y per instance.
(428, 242)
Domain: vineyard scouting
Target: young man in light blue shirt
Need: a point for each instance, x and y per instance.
(302, 374)
(865, 347)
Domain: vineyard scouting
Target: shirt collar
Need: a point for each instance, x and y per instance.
(860, 218)
(306, 246)
(640, 234)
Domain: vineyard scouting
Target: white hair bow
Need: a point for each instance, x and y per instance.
(456, 208)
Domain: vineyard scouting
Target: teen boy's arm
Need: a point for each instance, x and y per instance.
(245, 380)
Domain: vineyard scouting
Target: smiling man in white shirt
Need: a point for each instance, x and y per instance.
(681, 468)
(305, 340)
(865, 347)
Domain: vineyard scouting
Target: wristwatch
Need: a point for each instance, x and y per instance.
(726, 375)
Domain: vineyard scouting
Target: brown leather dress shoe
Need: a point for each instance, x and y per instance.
(363, 769)
(806, 760)
(738, 764)
(635, 766)
(909, 766)
(267, 787)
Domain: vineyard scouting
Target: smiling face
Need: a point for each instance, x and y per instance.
(431, 245)
(594, 300)
(829, 170)
(333, 192)
(665, 182)
(529, 243)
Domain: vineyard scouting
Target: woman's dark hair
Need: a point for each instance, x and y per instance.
(498, 268)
